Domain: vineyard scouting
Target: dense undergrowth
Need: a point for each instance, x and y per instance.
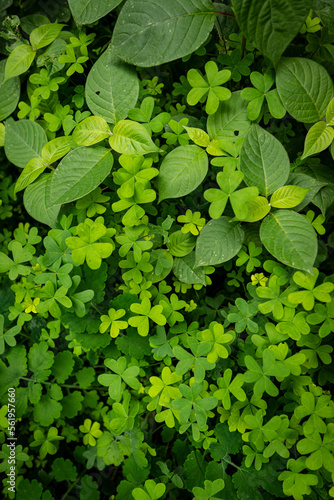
(166, 270)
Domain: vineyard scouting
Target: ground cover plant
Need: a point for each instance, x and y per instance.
(166, 270)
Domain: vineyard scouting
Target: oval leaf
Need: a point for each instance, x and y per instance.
(318, 138)
(130, 137)
(89, 11)
(218, 242)
(305, 88)
(24, 140)
(19, 61)
(264, 161)
(9, 93)
(288, 196)
(290, 238)
(181, 244)
(80, 172)
(44, 35)
(185, 272)
(153, 32)
(90, 131)
(112, 88)
(36, 200)
(181, 171)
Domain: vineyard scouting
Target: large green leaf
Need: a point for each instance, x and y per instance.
(80, 172)
(44, 35)
(183, 268)
(219, 241)
(112, 88)
(24, 140)
(9, 93)
(36, 200)
(130, 137)
(305, 88)
(230, 121)
(89, 11)
(290, 238)
(264, 161)
(152, 32)
(181, 171)
(271, 25)
(318, 138)
(19, 61)
(91, 130)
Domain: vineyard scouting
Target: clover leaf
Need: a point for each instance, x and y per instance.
(112, 322)
(261, 92)
(145, 312)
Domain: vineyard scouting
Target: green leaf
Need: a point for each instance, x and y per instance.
(181, 244)
(56, 149)
(151, 33)
(257, 209)
(271, 26)
(44, 35)
(305, 88)
(34, 168)
(183, 268)
(112, 88)
(130, 137)
(90, 131)
(19, 61)
(24, 140)
(218, 242)
(230, 121)
(9, 93)
(264, 161)
(288, 196)
(318, 138)
(80, 172)
(290, 238)
(36, 200)
(330, 113)
(182, 171)
(198, 136)
(89, 11)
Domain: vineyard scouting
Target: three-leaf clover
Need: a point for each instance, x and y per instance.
(295, 482)
(320, 450)
(261, 92)
(145, 312)
(260, 375)
(192, 401)
(113, 323)
(306, 297)
(7, 336)
(91, 431)
(250, 257)
(209, 490)
(216, 336)
(46, 444)
(193, 222)
(15, 266)
(208, 87)
(238, 65)
(123, 374)
(196, 359)
(228, 182)
(227, 385)
(153, 491)
(163, 385)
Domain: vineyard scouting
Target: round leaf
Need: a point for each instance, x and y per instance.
(36, 200)
(24, 140)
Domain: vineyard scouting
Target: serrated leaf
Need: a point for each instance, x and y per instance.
(218, 242)
(151, 32)
(318, 138)
(182, 171)
(288, 196)
(130, 137)
(264, 161)
(230, 121)
(290, 238)
(79, 172)
(271, 26)
(9, 93)
(36, 201)
(185, 271)
(24, 140)
(305, 88)
(112, 88)
(19, 61)
(89, 11)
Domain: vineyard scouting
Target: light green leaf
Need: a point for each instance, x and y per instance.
(288, 196)
(218, 242)
(36, 200)
(198, 136)
(33, 169)
(44, 35)
(132, 138)
(264, 161)
(80, 172)
(290, 238)
(89, 11)
(151, 33)
(330, 113)
(19, 61)
(24, 140)
(56, 149)
(305, 88)
(181, 171)
(112, 88)
(230, 121)
(90, 131)
(180, 244)
(257, 209)
(9, 93)
(271, 26)
(318, 138)
(183, 268)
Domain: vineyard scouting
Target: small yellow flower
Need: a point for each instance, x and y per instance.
(259, 279)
